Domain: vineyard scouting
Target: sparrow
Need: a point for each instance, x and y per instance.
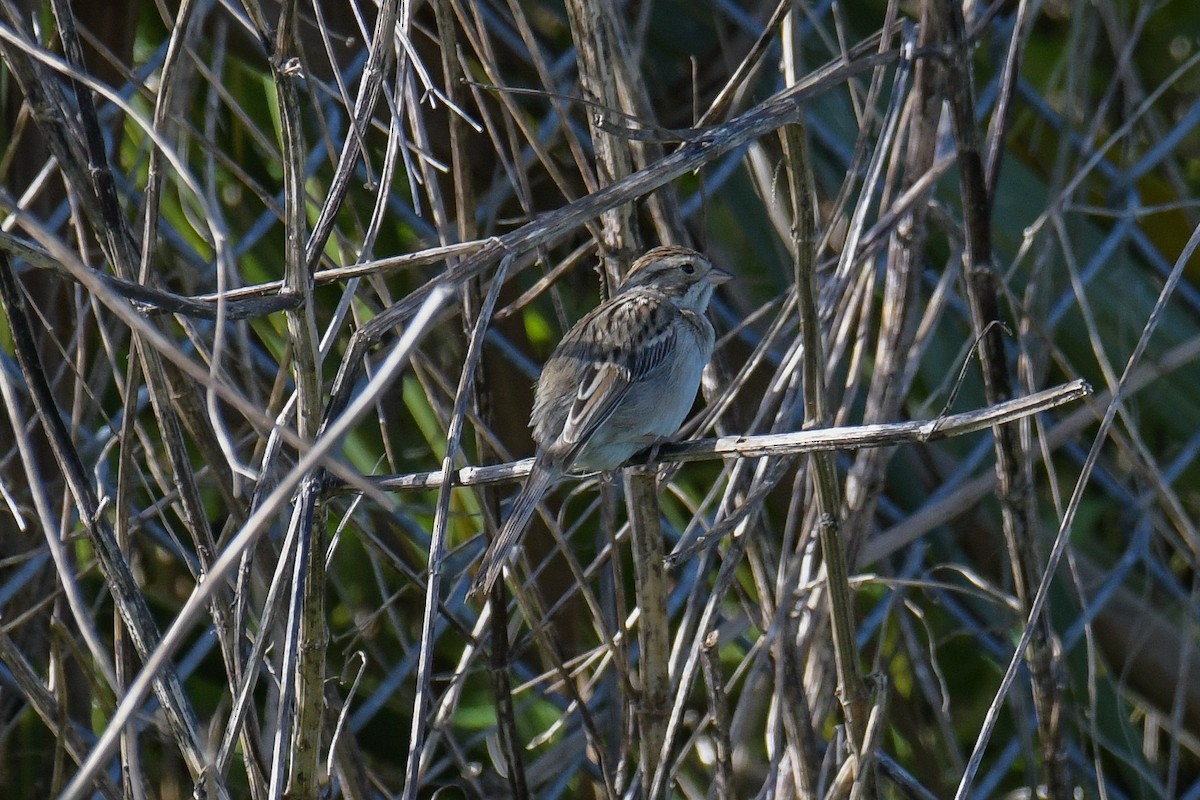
(622, 379)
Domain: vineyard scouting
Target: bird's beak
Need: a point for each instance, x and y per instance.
(717, 276)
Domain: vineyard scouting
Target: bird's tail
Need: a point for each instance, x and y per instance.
(540, 479)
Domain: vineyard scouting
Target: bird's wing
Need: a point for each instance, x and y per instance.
(617, 362)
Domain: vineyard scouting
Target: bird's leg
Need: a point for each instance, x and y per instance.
(648, 457)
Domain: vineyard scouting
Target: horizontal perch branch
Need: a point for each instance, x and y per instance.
(779, 444)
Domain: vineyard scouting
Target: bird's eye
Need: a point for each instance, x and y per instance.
(688, 268)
